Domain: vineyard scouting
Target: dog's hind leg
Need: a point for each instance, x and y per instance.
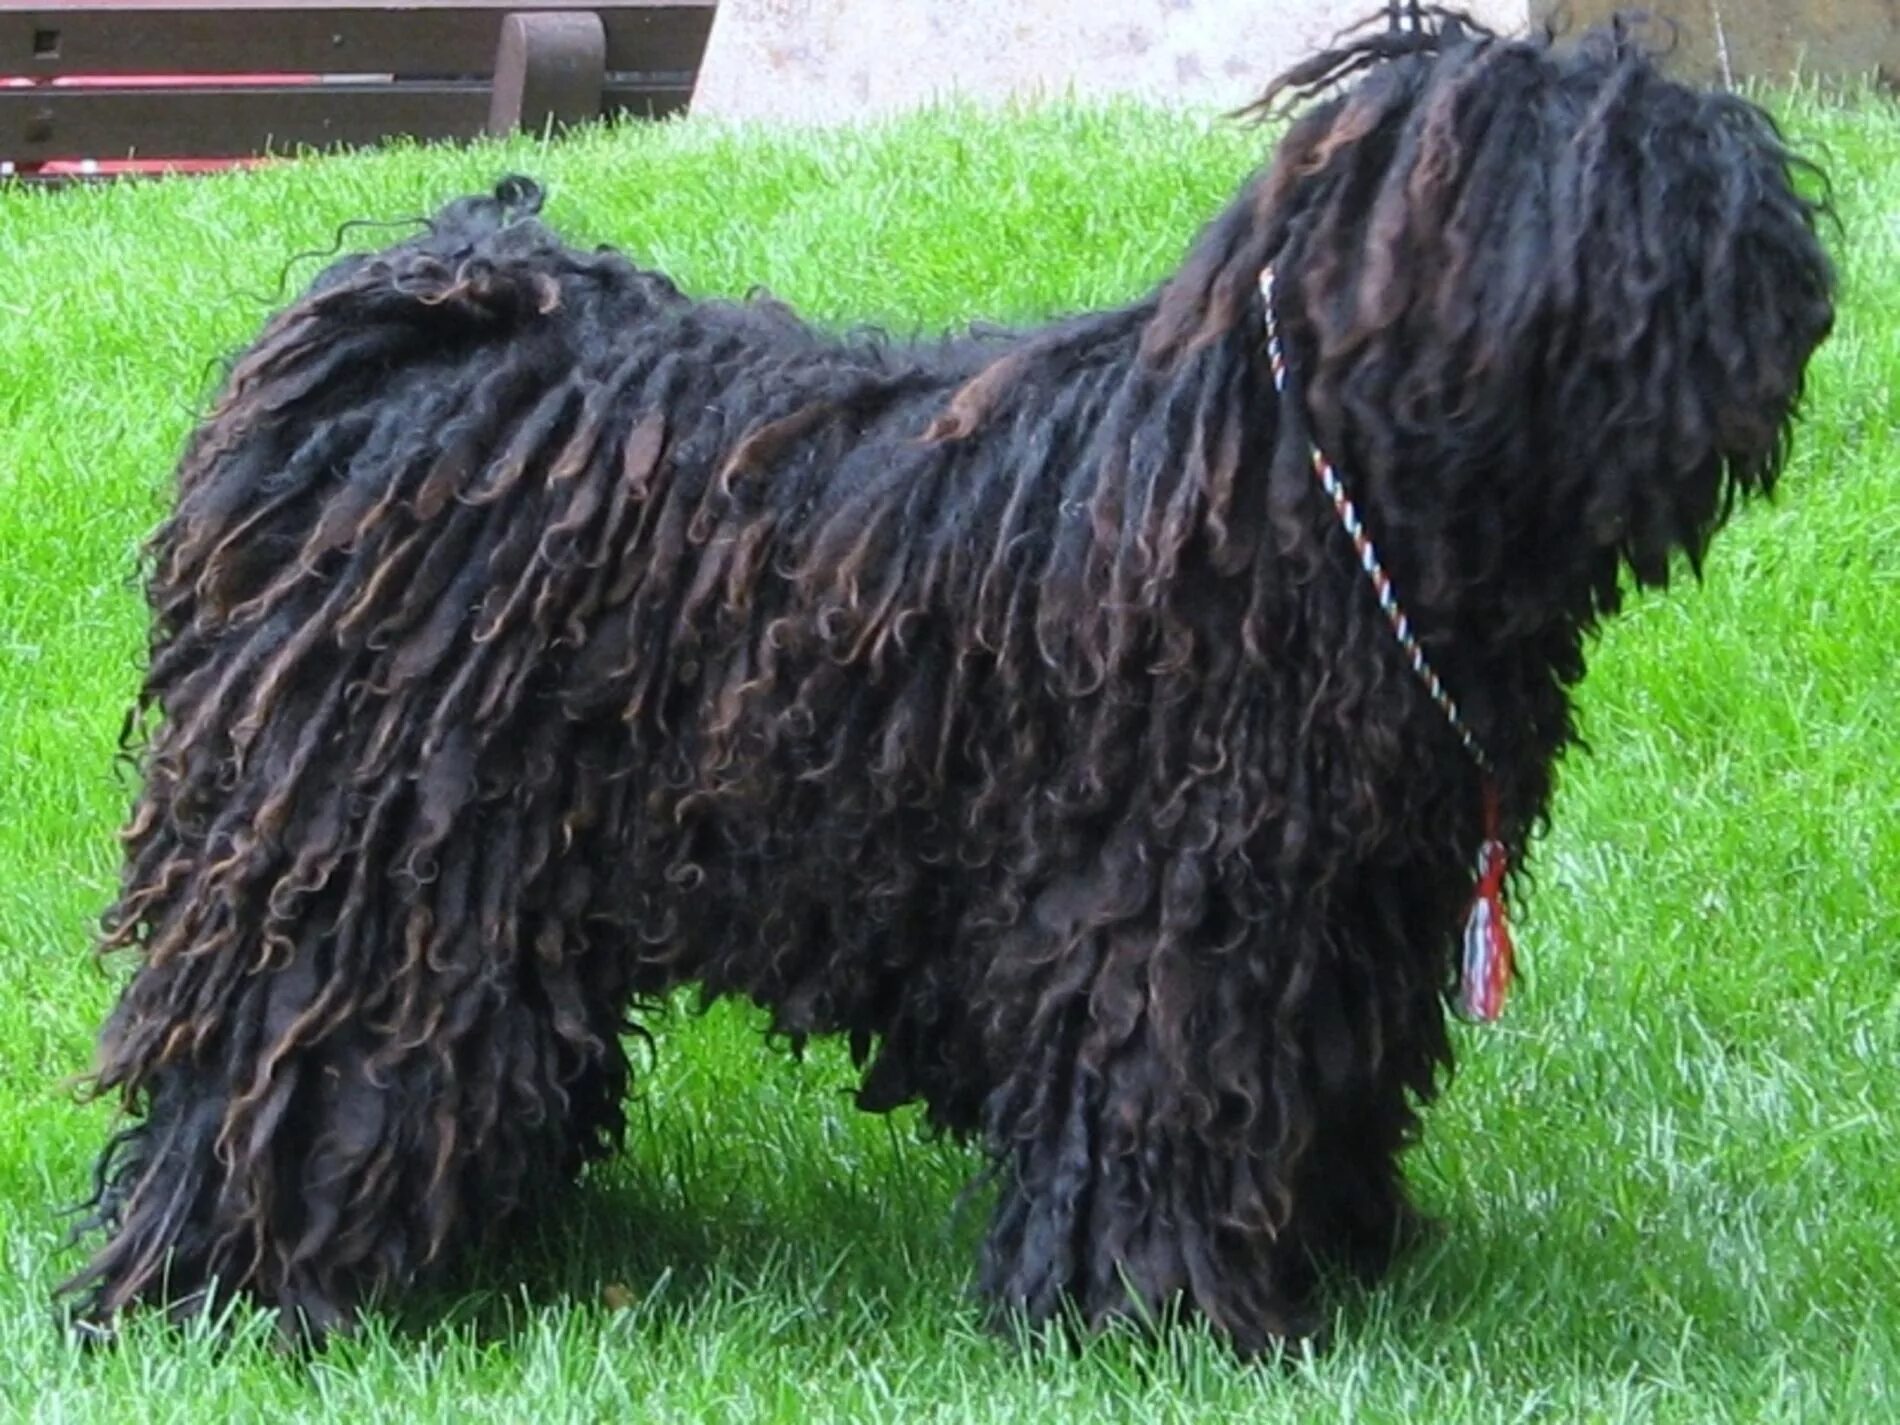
(370, 874)
(375, 1015)
(339, 1079)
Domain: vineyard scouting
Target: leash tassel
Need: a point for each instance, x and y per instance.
(1489, 957)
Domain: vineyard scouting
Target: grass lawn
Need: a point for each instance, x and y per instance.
(1668, 1180)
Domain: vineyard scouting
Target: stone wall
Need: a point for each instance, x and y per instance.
(1773, 40)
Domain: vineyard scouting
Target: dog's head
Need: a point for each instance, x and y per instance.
(1548, 307)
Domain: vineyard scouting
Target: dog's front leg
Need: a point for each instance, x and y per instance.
(1147, 1145)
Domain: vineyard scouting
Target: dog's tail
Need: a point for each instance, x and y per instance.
(515, 197)
(455, 231)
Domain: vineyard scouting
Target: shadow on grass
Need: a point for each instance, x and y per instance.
(638, 1235)
(670, 1236)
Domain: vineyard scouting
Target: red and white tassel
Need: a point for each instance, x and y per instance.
(1489, 957)
(1488, 961)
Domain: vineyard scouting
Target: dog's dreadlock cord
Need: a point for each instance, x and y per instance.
(1400, 14)
(1489, 956)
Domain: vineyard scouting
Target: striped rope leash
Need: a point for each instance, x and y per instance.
(1489, 958)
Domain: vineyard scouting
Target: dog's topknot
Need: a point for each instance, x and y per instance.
(530, 639)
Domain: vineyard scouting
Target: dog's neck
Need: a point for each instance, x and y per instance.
(1368, 555)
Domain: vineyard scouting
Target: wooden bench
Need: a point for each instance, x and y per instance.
(227, 79)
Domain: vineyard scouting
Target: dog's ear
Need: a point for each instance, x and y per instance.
(1690, 288)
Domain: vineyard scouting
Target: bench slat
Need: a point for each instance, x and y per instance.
(422, 38)
(235, 121)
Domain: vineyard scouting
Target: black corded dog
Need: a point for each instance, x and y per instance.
(1099, 725)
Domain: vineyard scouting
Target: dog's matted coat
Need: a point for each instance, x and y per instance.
(531, 639)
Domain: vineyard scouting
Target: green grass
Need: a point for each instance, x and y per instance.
(1667, 1181)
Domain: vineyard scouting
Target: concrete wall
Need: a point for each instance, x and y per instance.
(824, 61)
